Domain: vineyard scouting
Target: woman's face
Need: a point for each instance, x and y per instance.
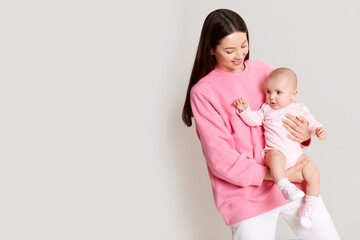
(231, 52)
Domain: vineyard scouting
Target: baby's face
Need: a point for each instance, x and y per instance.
(279, 93)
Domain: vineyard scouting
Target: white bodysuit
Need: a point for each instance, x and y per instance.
(275, 133)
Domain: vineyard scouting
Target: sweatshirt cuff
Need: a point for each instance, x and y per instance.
(306, 143)
(262, 172)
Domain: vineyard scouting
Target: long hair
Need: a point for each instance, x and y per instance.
(217, 25)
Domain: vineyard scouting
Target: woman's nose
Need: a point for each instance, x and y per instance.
(237, 54)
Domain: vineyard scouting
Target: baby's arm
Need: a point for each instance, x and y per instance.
(321, 133)
(315, 127)
(241, 104)
(251, 118)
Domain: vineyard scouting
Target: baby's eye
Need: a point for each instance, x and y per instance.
(278, 92)
(267, 91)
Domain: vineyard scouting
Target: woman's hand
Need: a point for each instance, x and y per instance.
(298, 128)
(294, 174)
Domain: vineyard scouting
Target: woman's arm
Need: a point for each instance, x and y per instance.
(218, 145)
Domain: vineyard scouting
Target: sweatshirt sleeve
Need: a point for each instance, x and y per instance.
(252, 118)
(218, 146)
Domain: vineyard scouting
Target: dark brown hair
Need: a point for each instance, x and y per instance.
(217, 25)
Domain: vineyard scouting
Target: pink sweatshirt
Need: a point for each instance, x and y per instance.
(231, 148)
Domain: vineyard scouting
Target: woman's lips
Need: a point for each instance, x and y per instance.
(237, 62)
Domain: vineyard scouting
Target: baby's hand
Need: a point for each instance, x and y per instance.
(241, 104)
(321, 133)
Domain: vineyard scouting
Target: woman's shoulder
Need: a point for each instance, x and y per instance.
(203, 86)
(259, 64)
(206, 82)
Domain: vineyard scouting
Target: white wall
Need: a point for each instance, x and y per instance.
(92, 142)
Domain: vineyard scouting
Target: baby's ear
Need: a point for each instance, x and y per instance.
(294, 93)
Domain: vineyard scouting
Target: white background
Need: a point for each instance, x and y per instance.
(92, 145)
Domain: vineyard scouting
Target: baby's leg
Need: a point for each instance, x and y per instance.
(275, 160)
(312, 177)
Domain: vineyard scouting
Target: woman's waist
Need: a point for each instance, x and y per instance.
(227, 193)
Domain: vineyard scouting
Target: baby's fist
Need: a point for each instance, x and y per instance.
(241, 104)
(321, 133)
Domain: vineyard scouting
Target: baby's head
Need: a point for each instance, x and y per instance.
(280, 88)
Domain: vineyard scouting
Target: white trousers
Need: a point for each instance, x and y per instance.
(264, 226)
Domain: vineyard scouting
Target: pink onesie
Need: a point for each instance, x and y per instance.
(275, 133)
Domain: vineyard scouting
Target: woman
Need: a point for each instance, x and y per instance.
(244, 192)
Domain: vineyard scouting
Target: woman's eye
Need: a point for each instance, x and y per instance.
(243, 46)
(229, 52)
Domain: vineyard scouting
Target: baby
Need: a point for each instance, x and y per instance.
(280, 152)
